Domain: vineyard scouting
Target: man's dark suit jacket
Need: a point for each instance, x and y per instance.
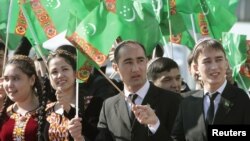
(114, 122)
(190, 125)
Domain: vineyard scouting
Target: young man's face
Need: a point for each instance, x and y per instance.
(169, 80)
(212, 66)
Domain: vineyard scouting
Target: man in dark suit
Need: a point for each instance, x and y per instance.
(219, 103)
(154, 110)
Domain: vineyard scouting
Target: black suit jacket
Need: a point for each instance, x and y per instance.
(114, 122)
(190, 125)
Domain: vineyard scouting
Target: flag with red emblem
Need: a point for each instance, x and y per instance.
(49, 18)
(95, 34)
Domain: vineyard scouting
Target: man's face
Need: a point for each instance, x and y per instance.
(132, 66)
(169, 80)
(212, 66)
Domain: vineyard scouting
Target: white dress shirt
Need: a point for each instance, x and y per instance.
(138, 101)
(206, 102)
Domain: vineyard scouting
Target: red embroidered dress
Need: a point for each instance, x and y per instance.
(19, 128)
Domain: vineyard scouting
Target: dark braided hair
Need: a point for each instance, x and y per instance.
(68, 52)
(6, 104)
(42, 113)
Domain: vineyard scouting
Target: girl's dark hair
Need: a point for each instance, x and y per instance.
(27, 66)
(6, 104)
(42, 113)
(67, 52)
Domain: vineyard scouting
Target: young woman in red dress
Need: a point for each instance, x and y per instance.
(18, 121)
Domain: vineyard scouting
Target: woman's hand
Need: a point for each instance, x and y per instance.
(63, 100)
(75, 129)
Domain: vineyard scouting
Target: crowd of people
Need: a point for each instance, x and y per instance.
(38, 99)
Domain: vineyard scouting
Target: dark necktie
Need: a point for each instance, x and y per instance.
(210, 111)
(132, 117)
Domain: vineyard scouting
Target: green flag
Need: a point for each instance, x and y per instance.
(183, 38)
(166, 12)
(49, 18)
(238, 53)
(172, 20)
(230, 5)
(214, 19)
(188, 7)
(95, 34)
(219, 18)
(13, 38)
(4, 12)
(18, 27)
(201, 25)
(84, 67)
(91, 4)
(138, 22)
(18, 24)
(84, 64)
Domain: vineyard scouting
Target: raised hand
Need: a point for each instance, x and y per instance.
(145, 114)
(75, 129)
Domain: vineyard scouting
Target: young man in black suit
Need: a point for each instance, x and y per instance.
(228, 104)
(154, 110)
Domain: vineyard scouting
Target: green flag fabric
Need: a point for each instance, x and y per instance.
(138, 22)
(230, 5)
(201, 25)
(238, 53)
(214, 19)
(95, 34)
(219, 18)
(183, 38)
(188, 7)
(18, 27)
(18, 24)
(13, 39)
(49, 18)
(84, 67)
(4, 12)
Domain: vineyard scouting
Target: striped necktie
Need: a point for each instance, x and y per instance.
(133, 98)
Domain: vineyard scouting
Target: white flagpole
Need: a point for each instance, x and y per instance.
(7, 33)
(77, 99)
(77, 82)
(193, 27)
(170, 31)
(33, 34)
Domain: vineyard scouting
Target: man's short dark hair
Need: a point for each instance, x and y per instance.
(160, 65)
(124, 44)
(206, 43)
